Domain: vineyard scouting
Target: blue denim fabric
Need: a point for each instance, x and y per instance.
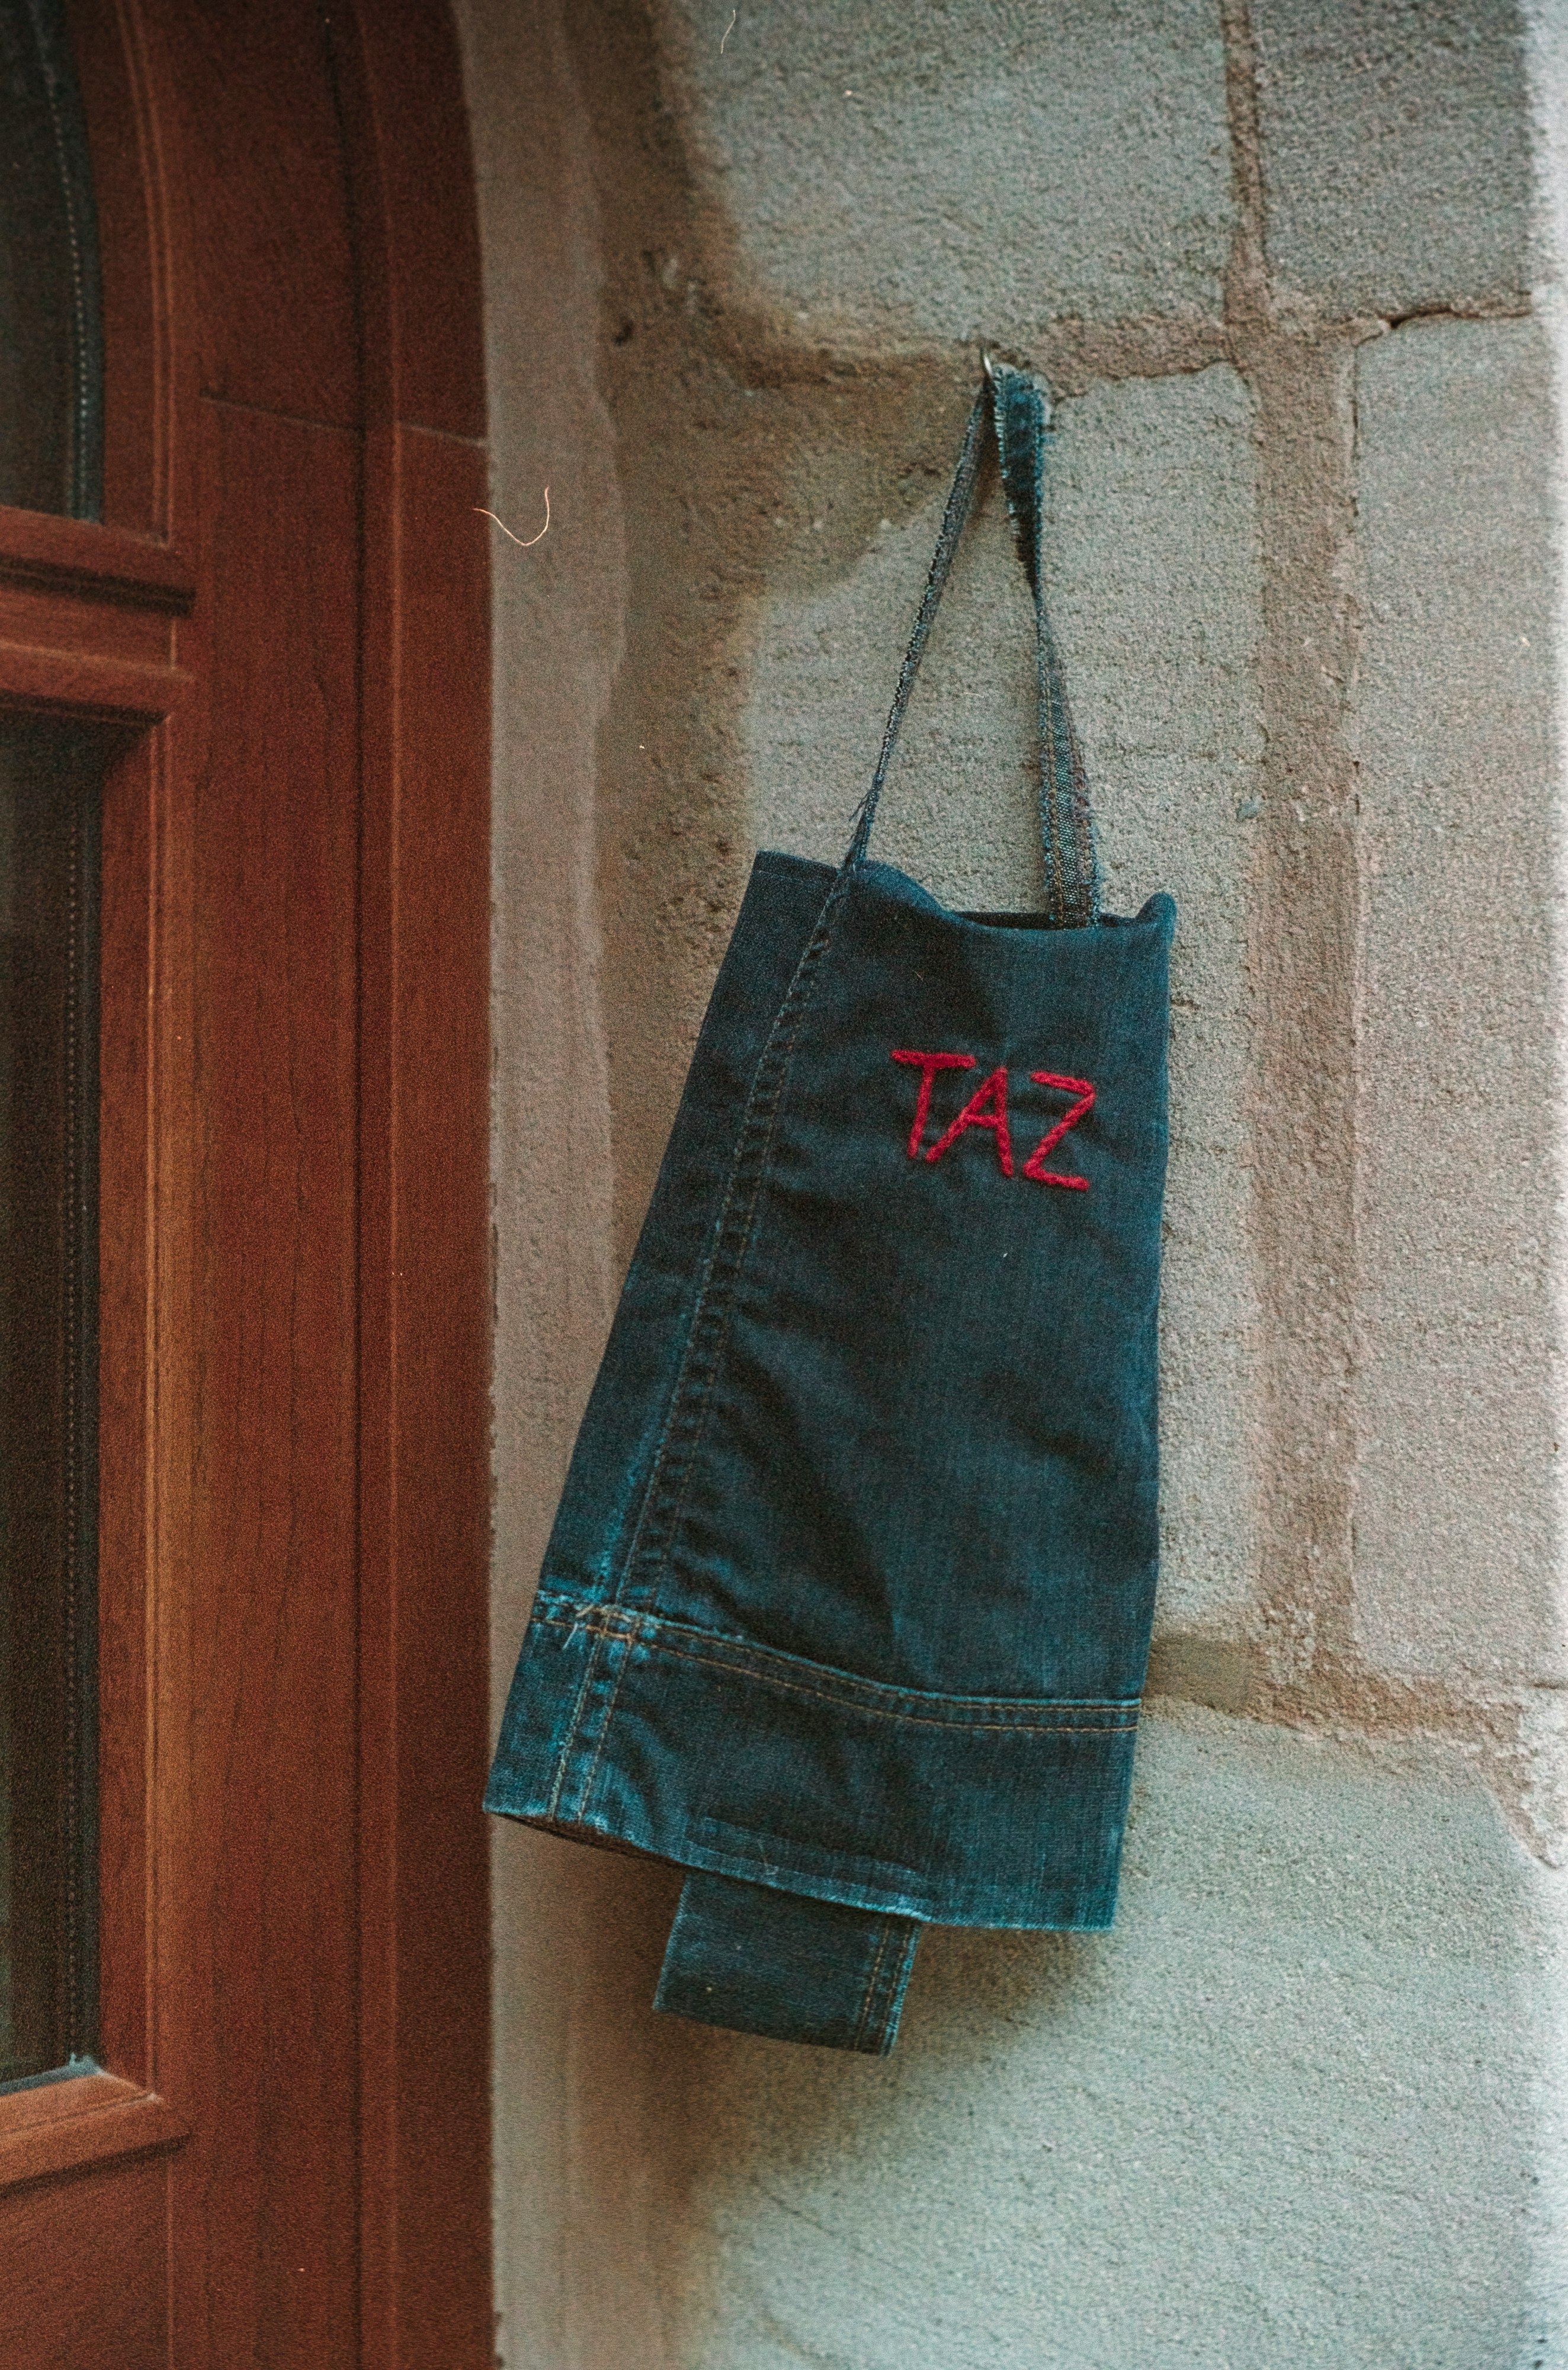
(847, 1605)
(787, 1966)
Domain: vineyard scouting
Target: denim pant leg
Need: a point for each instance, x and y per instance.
(793, 1969)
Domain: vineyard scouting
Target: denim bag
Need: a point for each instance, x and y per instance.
(846, 1607)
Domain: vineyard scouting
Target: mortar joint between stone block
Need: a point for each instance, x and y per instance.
(1246, 277)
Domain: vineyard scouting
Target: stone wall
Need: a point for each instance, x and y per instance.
(1294, 275)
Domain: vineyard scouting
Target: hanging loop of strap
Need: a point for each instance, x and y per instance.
(1014, 403)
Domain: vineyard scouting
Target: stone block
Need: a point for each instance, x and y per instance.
(1459, 1099)
(1396, 152)
(1154, 591)
(971, 170)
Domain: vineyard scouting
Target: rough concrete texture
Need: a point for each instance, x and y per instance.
(560, 637)
(559, 632)
(1154, 581)
(974, 170)
(1459, 1105)
(1305, 2105)
(1396, 153)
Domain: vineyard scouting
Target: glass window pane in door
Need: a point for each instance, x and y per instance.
(51, 774)
(51, 335)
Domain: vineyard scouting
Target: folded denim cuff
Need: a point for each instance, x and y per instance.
(952, 1810)
(786, 1966)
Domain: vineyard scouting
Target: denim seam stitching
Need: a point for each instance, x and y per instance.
(636, 1632)
(648, 1631)
(804, 978)
(894, 1986)
(690, 1387)
(891, 1988)
(861, 2032)
(569, 1742)
(874, 1711)
(586, 1791)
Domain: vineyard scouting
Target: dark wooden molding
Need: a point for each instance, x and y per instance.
(98, 563)
(80, 683)
(75, 2125)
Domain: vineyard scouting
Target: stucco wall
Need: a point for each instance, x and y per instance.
(1295, 277)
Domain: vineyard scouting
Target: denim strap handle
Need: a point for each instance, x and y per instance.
(1015, 404)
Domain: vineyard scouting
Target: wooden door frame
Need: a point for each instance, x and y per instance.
(108, 621)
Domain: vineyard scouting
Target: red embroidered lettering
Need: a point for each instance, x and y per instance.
(1034, 1166)
(974, 1114)
(928, 1065)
